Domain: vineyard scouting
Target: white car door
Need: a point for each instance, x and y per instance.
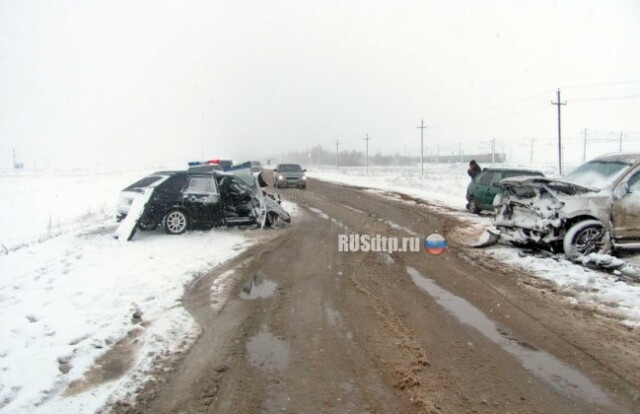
(626, 208)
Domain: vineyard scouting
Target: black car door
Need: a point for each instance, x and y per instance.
(166, 195)
(201, 199)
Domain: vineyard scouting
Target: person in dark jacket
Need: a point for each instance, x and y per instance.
(474, 169)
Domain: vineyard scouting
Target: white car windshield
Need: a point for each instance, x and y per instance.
(597, 174)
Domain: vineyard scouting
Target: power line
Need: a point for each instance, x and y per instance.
(594, 85)
(607, 98)
(527, 109)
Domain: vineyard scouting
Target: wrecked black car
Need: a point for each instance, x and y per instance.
(181, 200)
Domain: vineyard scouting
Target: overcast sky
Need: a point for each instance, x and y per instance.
(169, 81)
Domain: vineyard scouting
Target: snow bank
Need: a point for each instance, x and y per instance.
(67, 301)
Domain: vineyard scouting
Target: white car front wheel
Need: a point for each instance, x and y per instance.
(586, 237)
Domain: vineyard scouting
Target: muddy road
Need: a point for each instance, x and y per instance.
(304, 328)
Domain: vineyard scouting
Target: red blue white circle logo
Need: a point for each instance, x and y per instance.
(435, 244)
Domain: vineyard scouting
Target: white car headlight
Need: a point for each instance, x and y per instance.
(280, 177)
(304, 177)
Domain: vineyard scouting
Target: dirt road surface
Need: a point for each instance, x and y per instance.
(305, 328)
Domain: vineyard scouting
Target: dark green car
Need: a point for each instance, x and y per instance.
(484, 187)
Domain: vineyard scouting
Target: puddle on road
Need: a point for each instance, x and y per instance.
(320, 213)
(386, 258)
(333, 316)
(267, 352)
(396, 226)
(258, 287)
(542, 364)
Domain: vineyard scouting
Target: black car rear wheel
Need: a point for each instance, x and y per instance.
(176, 222)
(147, 225)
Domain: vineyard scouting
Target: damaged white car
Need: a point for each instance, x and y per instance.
(594, 209)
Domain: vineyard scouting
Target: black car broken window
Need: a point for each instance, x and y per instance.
(145, 182)
(174, 184)
(201, 185)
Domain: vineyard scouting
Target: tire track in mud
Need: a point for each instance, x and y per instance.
(626, 382)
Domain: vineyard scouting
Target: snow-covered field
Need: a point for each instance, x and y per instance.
(69, 291)
(446, 184)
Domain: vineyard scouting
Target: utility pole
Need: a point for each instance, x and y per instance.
(620, 150)
(460, 151)
(337, 152)
(422, 127)
(493, 151)
(531, 156)
(367, 155)
(584, 148)
(559, 104)
(438, 155)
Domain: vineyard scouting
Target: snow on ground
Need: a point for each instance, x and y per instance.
(605, 292)
(446, 184)
(441, 185)
(38, 205)
(70, 293)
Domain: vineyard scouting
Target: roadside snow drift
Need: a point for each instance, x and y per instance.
(65, 302)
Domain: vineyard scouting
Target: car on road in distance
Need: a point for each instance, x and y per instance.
(594, 209)
(289, 175)
(184, 200)
(256, 166)
(486, 185)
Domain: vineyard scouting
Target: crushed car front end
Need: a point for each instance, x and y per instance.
(539, 210)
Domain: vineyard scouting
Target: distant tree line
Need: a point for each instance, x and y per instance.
(321, 156)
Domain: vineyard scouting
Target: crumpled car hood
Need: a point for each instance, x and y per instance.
(542, 181)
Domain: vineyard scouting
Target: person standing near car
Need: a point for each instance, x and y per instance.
(474, 169)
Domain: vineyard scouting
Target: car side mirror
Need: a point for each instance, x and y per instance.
(275, 170)
(304, 170)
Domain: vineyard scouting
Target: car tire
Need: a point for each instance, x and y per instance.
(473, 206)
(147, 225)
(176, 222)
(585, 237)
